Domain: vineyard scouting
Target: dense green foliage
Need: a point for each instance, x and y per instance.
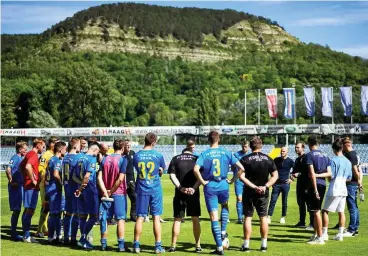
(103, 89)
(188, 24)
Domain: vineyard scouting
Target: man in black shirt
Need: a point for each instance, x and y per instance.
(257, 168)
(300, 171)
(186, 195)
(353, 187)
(282, 185)
(130, 180)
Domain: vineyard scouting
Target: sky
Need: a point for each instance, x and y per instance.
(343, 26)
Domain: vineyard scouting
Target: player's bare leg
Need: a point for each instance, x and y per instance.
(137, 234)
(120, 233)
(175, 231)
(247, 231)
(197, 231)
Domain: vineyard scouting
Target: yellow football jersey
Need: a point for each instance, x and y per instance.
(44, 160)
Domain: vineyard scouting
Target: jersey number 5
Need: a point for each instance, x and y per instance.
(216, 165)
(144, 175)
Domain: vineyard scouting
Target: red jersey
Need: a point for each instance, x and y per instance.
(32, 159)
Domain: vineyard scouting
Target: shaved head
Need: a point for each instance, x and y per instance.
(284, 152)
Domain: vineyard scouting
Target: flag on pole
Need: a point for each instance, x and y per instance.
(364, 98)
(346, 100)
(309, 100)
(289, 99)
(271, 96)
(326, 101)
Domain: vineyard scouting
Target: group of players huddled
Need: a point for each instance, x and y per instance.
(80, 186)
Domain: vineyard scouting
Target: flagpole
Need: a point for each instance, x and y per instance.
(259, 107)
(245, 107)
(314, 106)
(351, 101)
(332, 114)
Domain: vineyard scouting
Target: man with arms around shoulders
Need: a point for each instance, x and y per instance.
(215, 163)
(15, 187)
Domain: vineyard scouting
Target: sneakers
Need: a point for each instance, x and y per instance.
(198, 250)
(317, 241)
(282, 220)
(162, 220)
(137, 250)
(310, 227)
(159, 250)
(17, 238)
(217, 252)
(239, 222)
(299, 225)
(83, 243)
(348, 233)
(339, 237)
(244, 249)
(325, 237)
(356, 233)
(125, 249)
(172, 249)
(30, 240)
(39, 234)
(269, 220)
(104, 247)
(228, 220)
(146, 219)
(336, 226)
(263, 249)
(312, 238)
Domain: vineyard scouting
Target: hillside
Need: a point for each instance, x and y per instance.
(95, 70)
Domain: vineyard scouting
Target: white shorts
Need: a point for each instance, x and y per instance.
(334, 203)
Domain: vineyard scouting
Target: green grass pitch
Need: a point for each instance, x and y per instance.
(283, 239)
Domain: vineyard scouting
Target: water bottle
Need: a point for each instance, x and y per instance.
(361, 195)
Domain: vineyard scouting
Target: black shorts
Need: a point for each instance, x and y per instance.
(313, 203)
(251, 200)
(190, 203)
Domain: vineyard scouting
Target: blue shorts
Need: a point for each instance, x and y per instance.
(154, 202)
(118, 208)
(55, 201)
(15, 197)
(88, 203)
(68, 203)
(30, 198)
(239, 187)
(213, 198)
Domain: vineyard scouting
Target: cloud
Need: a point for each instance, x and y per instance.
(22, 16)
(361, 51)
(354, 16)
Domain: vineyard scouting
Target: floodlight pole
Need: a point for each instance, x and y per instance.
(175, 145)
(245, 107)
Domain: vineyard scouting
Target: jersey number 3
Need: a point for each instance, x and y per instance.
(216, 165)
(143, 173)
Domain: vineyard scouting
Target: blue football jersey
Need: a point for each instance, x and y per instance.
(87, 163)
(54, 164)
(69, 164)
(239, 156)
(15, 172)
(148, 163)
(215, 163)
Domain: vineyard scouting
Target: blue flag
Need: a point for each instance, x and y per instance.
(346, 100)
(326, 101)
(309, 100)
(289, 98)
(364, 98)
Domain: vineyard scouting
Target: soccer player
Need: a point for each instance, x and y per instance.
(54, 191)
(318, 163)
(30, 173)
(336, 194)
(70, 186)
(130, 179)
(15, 187)
(284, 165)
(186, 196)
(84, 144)
(257, 169)
(42, 223)
(87, 193)
(112, 183)
(353, 187)
(300, 171)
(239, 185)
(191, 147)
(215, 162)
(149, 165)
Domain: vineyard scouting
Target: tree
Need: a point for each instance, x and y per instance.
(88, 97)
(41, 119)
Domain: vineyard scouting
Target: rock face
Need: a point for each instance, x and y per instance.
(103, 37)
